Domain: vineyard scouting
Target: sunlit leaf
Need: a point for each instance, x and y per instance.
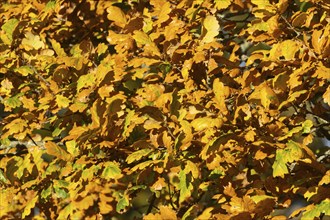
(212, 27)
(123, 202)
(279, 166)
(222, 4)
(9, 28)
(62, 101)
(32, 41)
(57, 151)
(30, 205)
(111, 171)
(117, 15)
(317, 210)
(137, 155)
(185, 186)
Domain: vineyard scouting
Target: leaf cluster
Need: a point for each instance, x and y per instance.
(163, 109)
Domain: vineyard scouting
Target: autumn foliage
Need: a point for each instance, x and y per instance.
(191, 109)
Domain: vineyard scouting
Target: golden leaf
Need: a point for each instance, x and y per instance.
(221, 93)
(260, 155)
(202, 123)
(159, 184)
(164, 11)
(57, 151)
(326, 96)
(117, 15)
(222, 4)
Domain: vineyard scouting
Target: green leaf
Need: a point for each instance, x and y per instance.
(60, 193)
(323, 207)
(46, 192)
(292, 152)
(72, 148)
(111, 171)
(9, 28)
(14, 101)
(185, 186)
(279, 166)
(122, 203)
(3, 179)
(85, 81)
(137, 155)
(306, 126)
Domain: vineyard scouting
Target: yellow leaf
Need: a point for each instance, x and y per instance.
(105, 91)
(159, 184)
(85, 203)
(263, 4)
(286, 49)
(27, 103)
(32, 41)
(221, 93)
(6, 86)
(95, 117)
(193, 168)
(222, 4)
(206, 214)
(326, 96)
(167, 141)
(212, 27)
(325, 179)
(111, 171)
(62, 101)
(57, 47)
(186, 128)
(24, 70)
(117, 15)
(29, 205)
(164, 11)
(200, 124)
(322, 72)
(141, 38)
(72, 147)
(167, 213)
(267, 96)
(55, 150)
(104, 204)
(260, 155)
(16, 126)
(249, 136)
(151, 216)
(137, 155)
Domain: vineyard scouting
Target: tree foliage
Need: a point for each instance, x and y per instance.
(195, 109)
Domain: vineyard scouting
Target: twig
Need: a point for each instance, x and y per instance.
(290, 26)
(151, 205)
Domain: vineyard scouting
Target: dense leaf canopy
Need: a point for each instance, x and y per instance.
(191, 109)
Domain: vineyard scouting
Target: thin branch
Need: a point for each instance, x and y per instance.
(151, 205)
(290, 26)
